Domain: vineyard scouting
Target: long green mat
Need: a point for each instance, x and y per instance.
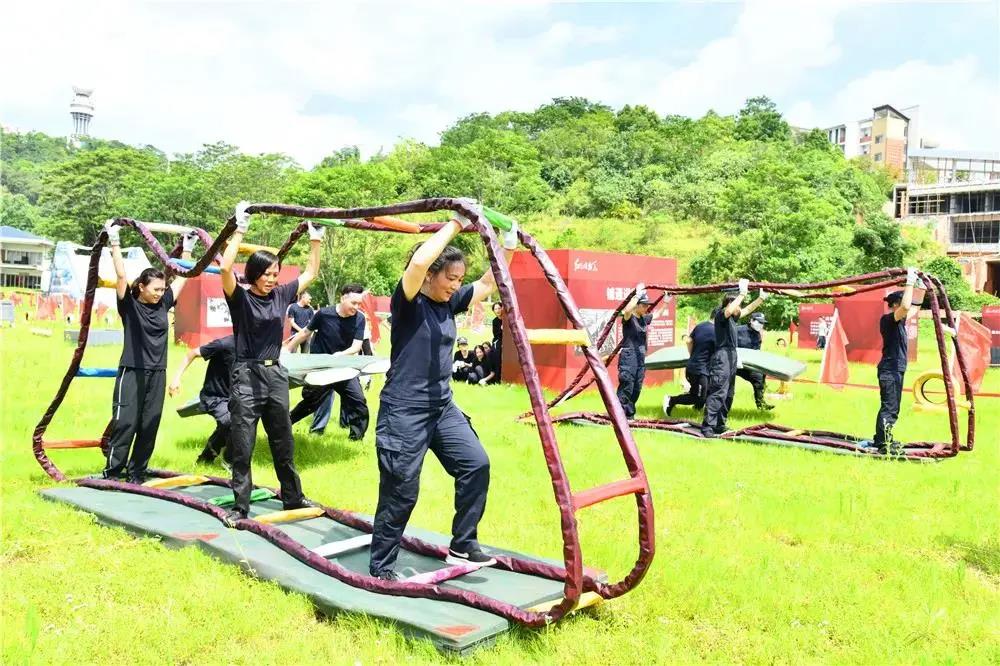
(773, 365)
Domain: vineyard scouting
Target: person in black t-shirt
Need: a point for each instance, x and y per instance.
(299, 315)
(260, 383)
(463, 361)
(141, 381)
(215, 390)
(723, 366)
(497, 353)
(892, 366)
(417, 414)
(701, 346)
(751, 336)
(632, 358)
(337, 330)
(483, 372)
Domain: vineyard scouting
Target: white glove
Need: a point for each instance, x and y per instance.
(316, 232)
(763, 295)
(463, 221)
(242, 217)
(911, 276)
(640, 289)
(114, 232)
(189, 240)
(510, 240)
(744, 286)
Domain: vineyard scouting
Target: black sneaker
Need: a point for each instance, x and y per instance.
(232, 516)
(670, 406)
(388, 574)
(475, 556)
(301, 504)
(204, 459)
(763, 406)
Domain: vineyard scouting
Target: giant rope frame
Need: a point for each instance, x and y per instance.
(575, 577)
(808, 439)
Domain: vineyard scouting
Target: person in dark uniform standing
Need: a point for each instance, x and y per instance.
(340, 331)
(299, 315)
(750, 336)
(142, 369)
(215, 390)
(632, 358)
(496, 357)
(260, 383)
(417, 413)
(722, 368)
(701, 345)
(892, 366)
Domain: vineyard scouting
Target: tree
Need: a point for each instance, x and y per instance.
(16, 211)
(759, 120)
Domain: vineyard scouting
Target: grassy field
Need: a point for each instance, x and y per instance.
(764, 554)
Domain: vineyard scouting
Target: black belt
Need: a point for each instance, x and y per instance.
(267, 362)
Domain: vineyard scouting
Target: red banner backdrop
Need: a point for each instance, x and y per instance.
(991, 320)
(598, 282)
(809, 316)
(202, 315)
(860, 314)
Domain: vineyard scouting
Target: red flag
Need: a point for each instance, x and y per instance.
(833, 370)
(368, 308)
(975, 341)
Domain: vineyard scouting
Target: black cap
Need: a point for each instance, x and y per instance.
(643, 300)
(758, 316)
(894, 297)
(462, 341)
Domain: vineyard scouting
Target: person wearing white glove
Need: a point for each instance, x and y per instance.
(892, 365)
(260, 383)
(142, 369)
(723, 366)
(632, 358)
(418, 392)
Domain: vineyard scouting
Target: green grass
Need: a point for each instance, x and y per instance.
(764, 554)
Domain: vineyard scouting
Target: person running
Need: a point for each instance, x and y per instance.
(892, 365)
(463, 361)
(701, 346)
(259, 382)
(417, 413)
(299, 315)
(722, 368)
(632, 358)
(340, 331)
(215, 390)
(751, 336)
(142, 369)
(483, 372)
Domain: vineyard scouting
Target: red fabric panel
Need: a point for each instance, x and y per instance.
(834, 369)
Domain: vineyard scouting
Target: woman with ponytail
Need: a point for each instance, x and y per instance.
(141, 381)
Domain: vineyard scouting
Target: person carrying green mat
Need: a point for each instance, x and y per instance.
(214, 396)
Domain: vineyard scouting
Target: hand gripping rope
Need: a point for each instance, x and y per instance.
(816, 439)
(576, 581)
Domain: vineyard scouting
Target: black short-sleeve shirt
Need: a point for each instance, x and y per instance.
(421, 342)
(220, 354)
(497, 330)
(301, 315)
(333, 333)
(725, 331)
(894, 343)
(634, 332)
(702, 346)
(146, 327)
(469, 357)
(259, 321)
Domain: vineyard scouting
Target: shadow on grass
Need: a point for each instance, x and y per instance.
(984, 556)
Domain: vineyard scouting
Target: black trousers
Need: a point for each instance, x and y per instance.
(260, 393)
(403, 435)
(696, 394)
(318, 401)
(631, 374)
(757, 381)
(218, 441)
(137, 407)
(821, 342)
(890, 386)
(461, 375)
(721, 387)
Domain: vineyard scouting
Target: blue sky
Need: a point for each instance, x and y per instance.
(308, 78)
